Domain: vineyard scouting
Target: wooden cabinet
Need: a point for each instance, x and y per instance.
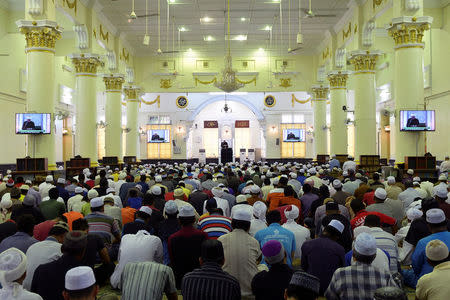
(31, 164)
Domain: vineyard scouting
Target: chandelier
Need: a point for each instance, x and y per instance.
(228, 82)
(226, 109)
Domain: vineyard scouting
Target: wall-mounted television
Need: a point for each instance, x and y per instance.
(417, 120)
(33, 123)
(293, 135)
(158, 136)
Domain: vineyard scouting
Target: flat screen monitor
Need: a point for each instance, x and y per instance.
(158, 136)
(32, 123)
(293, 135)
(417, 120)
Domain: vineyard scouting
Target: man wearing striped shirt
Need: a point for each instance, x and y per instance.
(210, 281)
(215, 224)
(385, 241)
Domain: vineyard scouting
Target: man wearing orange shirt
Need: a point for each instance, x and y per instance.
(274, 196)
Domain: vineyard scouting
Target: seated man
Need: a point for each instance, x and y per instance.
(13, 264)
(23, 238)
(302, 286)
(210, 281)
(434, 286)
(359, 281)
(142, 222)
(272, 284)
(80, 284)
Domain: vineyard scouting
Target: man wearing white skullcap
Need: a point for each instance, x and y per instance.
(46, 186)
(13, 263)
(5, 208)
(241, 251)
(293, 181)
(259, 220)
(392, 190)
(361, 280)
(349, 164)
(301, 233)
(380, 205)
(221, 203)
(437, 223)
(80, 284)
(76, 202)
(440, 194)
(442, 183)
(409, 195)
(434, 286)
(445, 165)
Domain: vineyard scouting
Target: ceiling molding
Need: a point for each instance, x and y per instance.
(346, 17)
(87, 3)
(324, 43)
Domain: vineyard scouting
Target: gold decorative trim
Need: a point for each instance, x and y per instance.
(320, 93)
(40, 50)
(364, 62)
(72, 5)
(270, 101)
(157, 100)
(285, 82)
(247, 82)
(113, 83)
(179, 105)
(85, 75)
(85, 65)
(345, 34)
(205, 82)
(408, 33)
(338, 80)
(294, 99)
(104, 36)
(124, 55)
(325, 53)
(364, 72)
(165, 83)
(131, 92)
(40, 37)
(409, 46)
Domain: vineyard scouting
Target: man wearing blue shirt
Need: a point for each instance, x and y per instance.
(334, 163)
(438, 225)
(276, 232)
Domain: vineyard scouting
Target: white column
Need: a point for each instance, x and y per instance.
(133, 103)
(364, 62)
(41, 37)
(86, 105)
(319, 99)
(113, 115)
(407, 33)
(338, 117)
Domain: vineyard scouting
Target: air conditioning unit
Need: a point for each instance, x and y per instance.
(285, 63)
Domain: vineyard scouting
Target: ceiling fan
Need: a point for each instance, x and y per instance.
(159, 51)
(290, 50)
(310, 14)
(134, 16)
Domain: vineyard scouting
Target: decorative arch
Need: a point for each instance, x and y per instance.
(234, 98)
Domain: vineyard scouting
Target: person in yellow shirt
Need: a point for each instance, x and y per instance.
(115, 175)
(182, 185)
(23, 191)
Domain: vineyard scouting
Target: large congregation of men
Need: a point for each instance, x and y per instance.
(226, 231)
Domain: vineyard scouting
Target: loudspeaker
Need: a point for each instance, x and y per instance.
(174, 143)
(277, 142)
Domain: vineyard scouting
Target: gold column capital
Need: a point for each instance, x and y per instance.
(320, 92)
(40, 35)
(86, 64)
(408, 31)
(338, 79)
(132, 93)
(364, 61)
(113, 82)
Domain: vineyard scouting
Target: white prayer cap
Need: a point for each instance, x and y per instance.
(413, 213)
(242, 215)
(28, 181)
(410, 171)
(442, 177)
(337, 183)
(61, 180)
(178, 192)
(79, 278)
(441, 192)
(435, 216)
(254, 189)
(158, 178)
(276, 180)
(360, 229)
(49, 178)
(312, 171)
(92, 194)
(78, 190)
(391, 180)
(380, 193)
(241, 199)
(436, 250)
(358, 175)
(6, 201)
(365, 244)
(269, 174)
(291, 212)
(345, 173)
(86, 171)
(146, 210)
(337, 225)
(293, 175)
(122, 175)
(13, 264)
(171, 207)
(282, 169)
(217, 191)
(110, 190)
(97, 202)
(416, 179)
(156, 190)
(349, 157)
(259, 210)
(186, 211)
